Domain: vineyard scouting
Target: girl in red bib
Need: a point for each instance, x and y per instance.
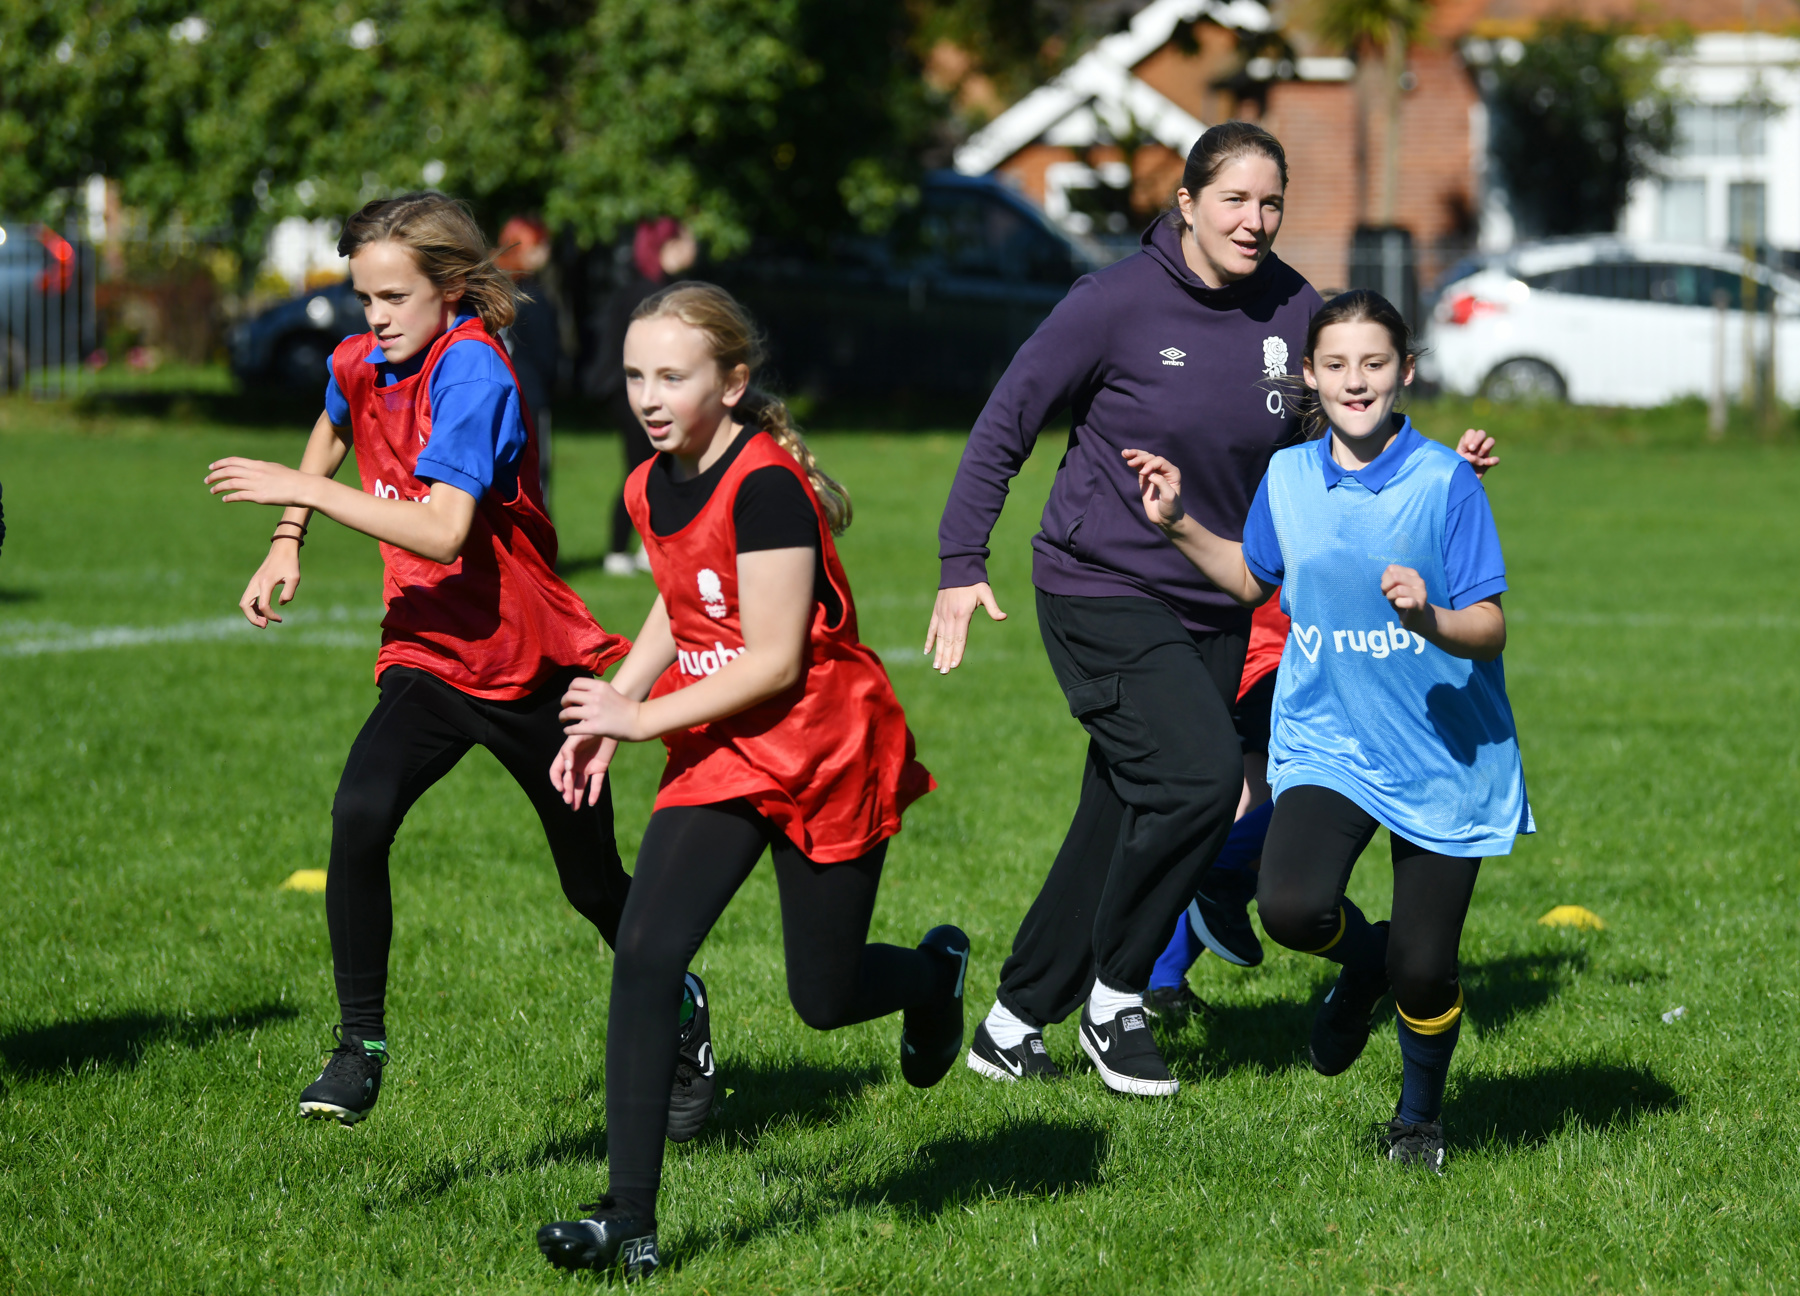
(481, 638)
(783, 734)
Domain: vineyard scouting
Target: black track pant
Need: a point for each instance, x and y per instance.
(1161, 786)
(692, 861)
(1314, 840)
(418, 731)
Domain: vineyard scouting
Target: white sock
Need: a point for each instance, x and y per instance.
(1007, 1030)
(1105, 1003)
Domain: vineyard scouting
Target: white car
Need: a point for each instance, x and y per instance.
(1599, 321)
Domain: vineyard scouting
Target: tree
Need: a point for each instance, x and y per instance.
(1580, 112)
(1392, 26)
(742, 115)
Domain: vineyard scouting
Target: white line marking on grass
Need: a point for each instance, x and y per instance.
(1656, 620)
(39, 638)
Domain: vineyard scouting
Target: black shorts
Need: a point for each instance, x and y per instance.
(1251, 714)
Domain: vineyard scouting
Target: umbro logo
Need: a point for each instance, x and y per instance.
(1173, 356)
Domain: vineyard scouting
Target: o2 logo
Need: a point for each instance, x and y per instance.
(384, 491)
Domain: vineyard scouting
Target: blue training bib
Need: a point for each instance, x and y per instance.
(1423, 741)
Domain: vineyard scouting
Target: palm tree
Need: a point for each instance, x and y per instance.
(1392, 25)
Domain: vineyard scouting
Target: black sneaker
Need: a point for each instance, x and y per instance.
(1029, 1061)
(1220, 914)
(1175, 1004)
(691, 1097)
(931, 1037)
(1413, 1145)
(603, 1238)
(1125, 1053)
(347, 1088)
(1340, 1029)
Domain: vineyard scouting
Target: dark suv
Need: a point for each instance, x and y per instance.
(936, 306)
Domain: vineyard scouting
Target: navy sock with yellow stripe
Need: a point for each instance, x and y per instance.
(1360, 945)
(1426, 1047)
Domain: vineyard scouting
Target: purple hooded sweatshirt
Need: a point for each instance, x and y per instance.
(1144, 355)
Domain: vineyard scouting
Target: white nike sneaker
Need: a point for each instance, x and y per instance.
(1029, 1061)
(1124, 1052)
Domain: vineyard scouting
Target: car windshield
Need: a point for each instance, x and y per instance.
(1654, 281)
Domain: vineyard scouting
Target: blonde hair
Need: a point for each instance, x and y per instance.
(734, 341)
(448, 245)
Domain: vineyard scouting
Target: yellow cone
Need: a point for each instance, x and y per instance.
(1561, 916)
(314, 880)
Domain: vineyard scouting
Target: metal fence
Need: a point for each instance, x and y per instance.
(49, 323)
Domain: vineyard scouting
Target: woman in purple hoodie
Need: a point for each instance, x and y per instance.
(1181, 349)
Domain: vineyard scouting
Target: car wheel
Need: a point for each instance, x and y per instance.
(1523, 381)
(300, 361)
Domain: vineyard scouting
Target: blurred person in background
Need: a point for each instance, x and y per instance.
(534, 339)
(661, 250)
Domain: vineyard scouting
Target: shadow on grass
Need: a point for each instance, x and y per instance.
(762, 1097)
(1516, 1111)
(1504, 989)
(1032, 1158)
(1267, 1037)
(271, 408)
(1272, 1036)
(120, 1041)
(20, 595)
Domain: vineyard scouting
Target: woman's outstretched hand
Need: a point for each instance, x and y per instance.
(592, 707)
(1159, 482)
(1477, 448)
(948, 632)
(256, 481)
(580, 768)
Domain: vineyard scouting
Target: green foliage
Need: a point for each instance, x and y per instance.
(162, 1001)
(1354, 23)
(744, 115)
(1579, 115)
(779, 117)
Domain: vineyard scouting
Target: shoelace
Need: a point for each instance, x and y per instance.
(352, 1058)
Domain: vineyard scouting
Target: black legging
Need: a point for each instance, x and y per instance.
(1314, 839)
(692, 861)
(418, 731)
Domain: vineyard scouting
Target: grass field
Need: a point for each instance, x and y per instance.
(162, 1001)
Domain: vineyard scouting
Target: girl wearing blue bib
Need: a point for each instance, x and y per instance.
(1391, 706)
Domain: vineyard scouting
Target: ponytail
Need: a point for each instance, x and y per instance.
(735, 341)
(448, 246)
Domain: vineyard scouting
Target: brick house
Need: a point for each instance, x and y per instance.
(1101, 146)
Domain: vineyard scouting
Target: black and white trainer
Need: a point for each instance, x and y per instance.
(696, 1079)
(347, 1088)
(1124, 1051)
(932, 1036)
(1220, 914)
(1413, 1144)
(601, 1239)
(1030, 1060)
(1175, 1004)
(1340, 1029)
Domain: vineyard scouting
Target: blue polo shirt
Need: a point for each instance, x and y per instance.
(1473, 565)
(1422, 740)
(477, 430)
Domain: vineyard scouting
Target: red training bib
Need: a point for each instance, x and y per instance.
(831, 761)
(498, 621)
